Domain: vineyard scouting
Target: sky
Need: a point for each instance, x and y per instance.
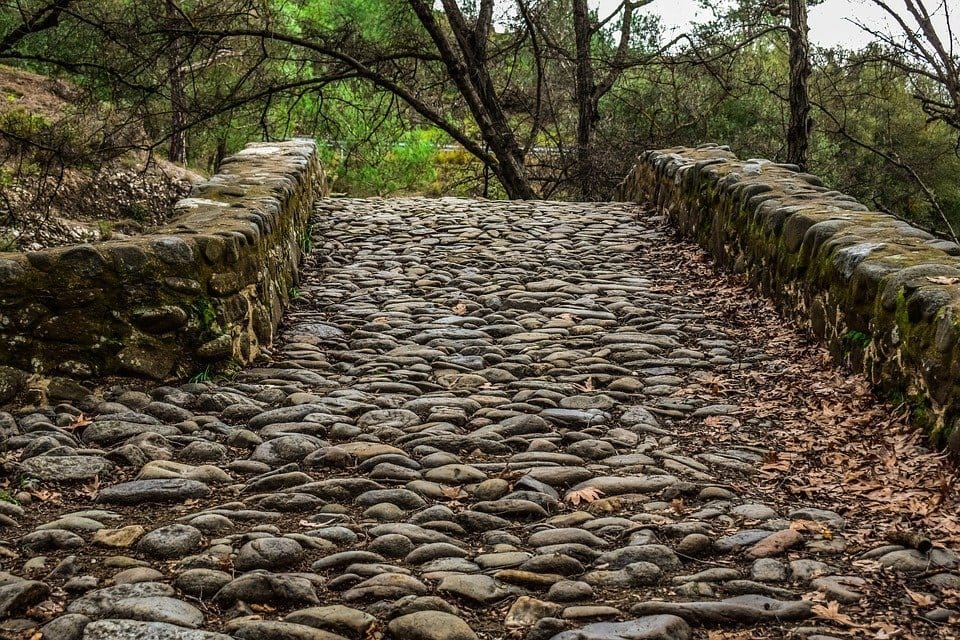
(829, 22)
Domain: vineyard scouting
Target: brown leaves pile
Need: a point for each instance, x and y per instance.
(832, 441)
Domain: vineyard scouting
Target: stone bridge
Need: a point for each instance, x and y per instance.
(478, 419)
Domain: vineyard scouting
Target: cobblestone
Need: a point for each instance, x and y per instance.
(476, 425)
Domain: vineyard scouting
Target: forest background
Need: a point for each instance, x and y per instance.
(495, 98)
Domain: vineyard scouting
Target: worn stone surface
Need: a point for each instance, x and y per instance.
(446, 445)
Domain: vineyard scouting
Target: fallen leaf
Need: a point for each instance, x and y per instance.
(585, 495)
(921, 599)
(454, 493)
(832, 612)
(459, 309)
(943, 279)
(587, 385)
(45, 495)
(91, 488)
(605, 505)
(79, 422)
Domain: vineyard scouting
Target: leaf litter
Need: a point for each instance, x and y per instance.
(830, 442)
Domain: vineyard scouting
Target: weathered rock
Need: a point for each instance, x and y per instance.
(267, 588)
(172, 541)
(749, 609)
(269, 553)
(657, 627)
(17, 596)
(151, 491)
(430, 625)
(65, 468)
(126, 629)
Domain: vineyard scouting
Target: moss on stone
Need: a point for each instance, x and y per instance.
(872, 287)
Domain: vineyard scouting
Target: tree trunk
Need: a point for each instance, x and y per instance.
(798, 130)
(178, 96)
(586, 104)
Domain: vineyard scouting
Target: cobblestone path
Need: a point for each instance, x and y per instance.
(484, 420)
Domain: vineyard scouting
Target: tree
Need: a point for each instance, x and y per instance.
(588, 90)
(930, 54)
(466, 60)
(798, 130)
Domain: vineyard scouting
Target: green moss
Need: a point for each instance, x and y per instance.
(203, 313)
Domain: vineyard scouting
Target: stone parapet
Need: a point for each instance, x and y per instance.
(205, 290)
(882, 294)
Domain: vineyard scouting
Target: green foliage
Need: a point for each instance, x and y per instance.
(5, 496)
(105, 229)
(306, 239)
(386, 164)
(201, 376)
(68, 141)
(138, 211)
(242, 88)
(853, 338)
(205, 315)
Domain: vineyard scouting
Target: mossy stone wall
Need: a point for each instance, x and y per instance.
(205, 290)
(884, 295)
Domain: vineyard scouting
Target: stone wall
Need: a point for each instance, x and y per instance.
(885, 296)
(207, 289)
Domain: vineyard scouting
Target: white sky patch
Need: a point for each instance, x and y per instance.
(829, 22)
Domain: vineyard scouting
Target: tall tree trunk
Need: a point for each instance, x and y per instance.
(798, 130)
(178, 96)
(585, 95)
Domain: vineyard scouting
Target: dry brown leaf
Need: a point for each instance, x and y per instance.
(587, 385)
(806, 525)
(79, 422)
(459, 309)
(454, 493)
(832, 612)
(943, 279)
(605, 505)
(91, 488)
(262, 608)
(45, 495)
(921, 599)
(585, 495)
